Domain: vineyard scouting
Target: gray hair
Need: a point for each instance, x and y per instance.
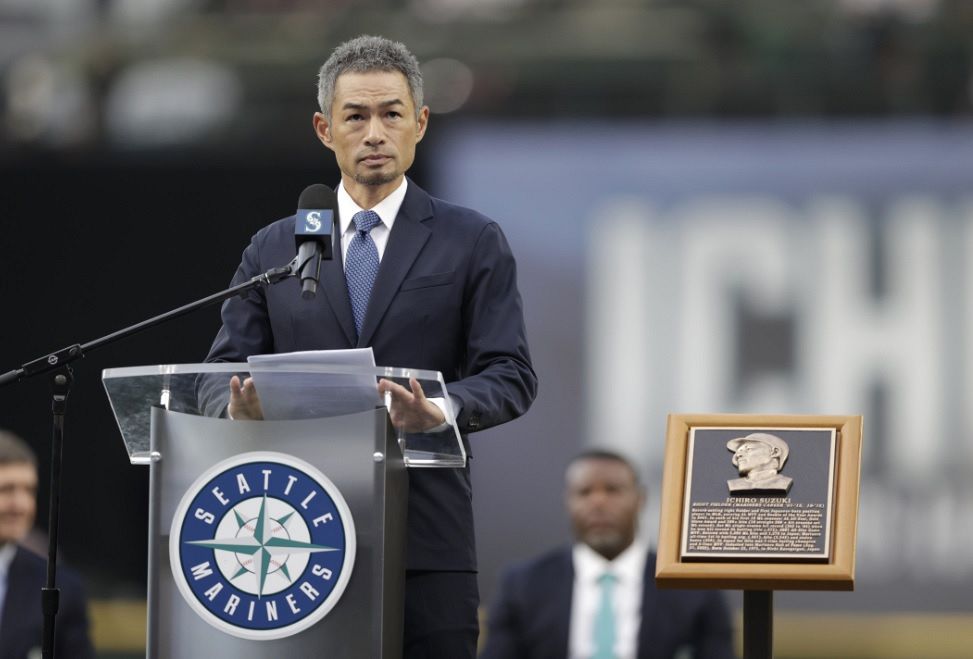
(14, 450)
(363, 54)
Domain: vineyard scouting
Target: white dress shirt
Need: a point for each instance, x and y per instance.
(629, 570)
(386, 209)
(7, 552)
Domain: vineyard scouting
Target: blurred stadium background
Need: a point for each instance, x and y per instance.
(758, 206)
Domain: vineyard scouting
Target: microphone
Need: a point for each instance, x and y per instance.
(317, 215)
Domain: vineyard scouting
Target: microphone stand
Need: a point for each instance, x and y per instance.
(59, 361)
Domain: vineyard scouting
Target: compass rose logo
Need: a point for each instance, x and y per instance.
(262, 545)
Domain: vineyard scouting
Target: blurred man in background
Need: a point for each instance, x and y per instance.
(23, 573)
(597, 599)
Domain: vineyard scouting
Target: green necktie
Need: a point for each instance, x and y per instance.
(605, 620)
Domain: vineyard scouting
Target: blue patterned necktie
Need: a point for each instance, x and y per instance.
(361, 265)
(605, 619)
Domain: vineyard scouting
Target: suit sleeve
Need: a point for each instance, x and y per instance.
(498, 382)
(505, 624)
(713, 632)
(245, 331)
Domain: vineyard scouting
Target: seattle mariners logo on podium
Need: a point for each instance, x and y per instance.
(262, 545)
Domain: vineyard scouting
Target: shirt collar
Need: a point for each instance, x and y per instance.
(387, 209)
(7, 552)
(628, 566)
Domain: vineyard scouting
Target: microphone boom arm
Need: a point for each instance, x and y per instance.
(60, 358)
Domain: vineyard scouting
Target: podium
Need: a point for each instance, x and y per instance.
(283, 537)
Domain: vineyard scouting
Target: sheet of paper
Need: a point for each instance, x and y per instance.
(288, 394)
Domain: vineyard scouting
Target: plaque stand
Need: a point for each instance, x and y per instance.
(837, 474)
(758, 624)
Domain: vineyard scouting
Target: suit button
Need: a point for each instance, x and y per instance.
(473, 423)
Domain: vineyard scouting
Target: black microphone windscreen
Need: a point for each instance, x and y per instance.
(318, 196)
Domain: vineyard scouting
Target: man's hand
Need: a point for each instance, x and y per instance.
(244, 402)
(411, 410)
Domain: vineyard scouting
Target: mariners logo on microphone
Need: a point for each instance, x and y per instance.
(313, 222)
(262, 545)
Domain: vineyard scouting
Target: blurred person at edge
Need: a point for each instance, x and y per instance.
(23, 573)
(597, 599)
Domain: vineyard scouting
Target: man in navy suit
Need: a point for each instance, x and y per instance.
(597, 599)
(23, 573)
(440, 293)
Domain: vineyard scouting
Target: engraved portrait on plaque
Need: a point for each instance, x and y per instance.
(765, 515)
(759, 457)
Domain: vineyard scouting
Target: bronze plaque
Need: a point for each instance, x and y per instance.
(758, 493)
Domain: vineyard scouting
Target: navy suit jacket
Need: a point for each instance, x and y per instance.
(531, 615)
(22, 624)
(445, 299)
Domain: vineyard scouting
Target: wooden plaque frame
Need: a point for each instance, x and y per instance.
(837, 573)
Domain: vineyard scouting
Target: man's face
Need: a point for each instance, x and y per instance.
(603, 501)
(374, 128)
(754, 455)
(18, 500)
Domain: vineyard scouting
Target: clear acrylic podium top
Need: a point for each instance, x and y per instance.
(291, 393)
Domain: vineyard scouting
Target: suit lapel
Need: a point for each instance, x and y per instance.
(405, 242)
(336, 290)
(15, 615)
(648, 631)
(560, 598)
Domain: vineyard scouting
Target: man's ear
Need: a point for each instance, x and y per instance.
(322, 128)
(422, 122)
